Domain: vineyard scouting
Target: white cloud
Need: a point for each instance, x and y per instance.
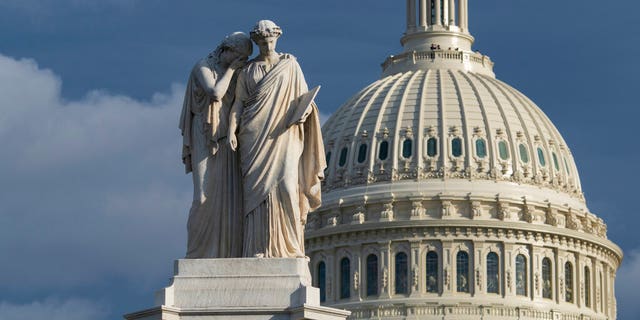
(53, 309)
(627, 284)
(91, 190)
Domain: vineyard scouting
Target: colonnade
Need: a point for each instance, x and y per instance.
(422, 14)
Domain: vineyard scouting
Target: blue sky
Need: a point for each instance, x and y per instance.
(93, 199)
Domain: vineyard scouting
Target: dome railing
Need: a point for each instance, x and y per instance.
(436, 55)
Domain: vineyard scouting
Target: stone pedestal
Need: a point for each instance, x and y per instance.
(247, 288)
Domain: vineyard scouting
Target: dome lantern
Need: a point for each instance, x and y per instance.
(437, 37)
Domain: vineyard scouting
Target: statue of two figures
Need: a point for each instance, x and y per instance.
(252, 140)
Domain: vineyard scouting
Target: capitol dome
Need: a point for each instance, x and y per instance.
(451, 195)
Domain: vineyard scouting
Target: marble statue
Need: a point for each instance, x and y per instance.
(215, 220)
(280, 149)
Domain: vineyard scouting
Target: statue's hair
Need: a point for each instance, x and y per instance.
(238, 41)
(265, 29)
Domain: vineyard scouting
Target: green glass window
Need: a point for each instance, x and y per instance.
(343, 156)
(345, 278)
(362, 153)
(587, 287)
(521, 275)
(456, 147)
(383, 153)
(566, 166)
(503, 150)
(568, 280)
(543, 161)
(402, 273)
(432, 147)
(322, 281)
(555, 161)
(493, 281)
(432, 272)
(407, 147)
(524, 155)
(372, 275)
(481, 148)
(546, 278)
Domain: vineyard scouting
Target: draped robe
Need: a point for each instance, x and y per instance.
(214, 226)
(281, 166)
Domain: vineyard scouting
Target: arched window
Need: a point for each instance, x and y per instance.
(372, 275)
(407, 147)
(362, 153)
(568, 281)
(555, 161)
(322, 281)
(546, 278)
(402, 270)
(521, 275)
(462, 271)
(524, 155)
(493, 268)
(587, 287)
(343, 156)
(345, 278)
(456, 147)
(566, 166)
(481, 148)
(383, 152)
(432, 272)
(432, 147)
(503, 151)
(543, 161)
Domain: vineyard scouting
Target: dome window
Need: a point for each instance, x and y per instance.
(383, 153)
(322, 281)
(555, 161)
(543, 161)
(566, 166)
(372, 275)
(402, 273)
(462, 272)
(524, 155)
(503, 150)
(481, 148)
(345, 278)
(493, 281)
(407, 147)
(521, 275)
(432, 147)
(568, 280)
(456, 147)
(362, 153)
(432, 272)
(343, 156)
(546, 279)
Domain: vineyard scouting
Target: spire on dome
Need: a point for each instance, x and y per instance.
(437, 37)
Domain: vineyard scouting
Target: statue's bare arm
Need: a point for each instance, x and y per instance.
(217, 88)
(234, 119)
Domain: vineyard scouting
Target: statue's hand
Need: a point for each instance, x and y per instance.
(238, 63)
(233, 141)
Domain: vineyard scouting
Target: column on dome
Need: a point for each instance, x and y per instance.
(445, 12)
(423, 14)
(438, 13)
(463, 15)
(411, 15)
(452, 12)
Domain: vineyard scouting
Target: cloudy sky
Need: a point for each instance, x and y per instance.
(93, 199)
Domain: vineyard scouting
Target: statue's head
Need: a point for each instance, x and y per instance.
(237, 43)
(265, 34)
(265, 29)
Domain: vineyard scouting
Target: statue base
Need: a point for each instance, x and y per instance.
(246, 288)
